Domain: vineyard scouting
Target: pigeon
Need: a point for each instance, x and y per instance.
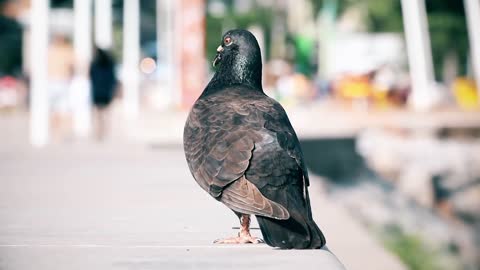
(241, 149)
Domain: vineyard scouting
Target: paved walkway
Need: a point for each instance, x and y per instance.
(132, 206)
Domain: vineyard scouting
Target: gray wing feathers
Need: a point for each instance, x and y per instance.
(244, 197)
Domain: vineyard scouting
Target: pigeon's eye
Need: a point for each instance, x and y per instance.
(227, 41)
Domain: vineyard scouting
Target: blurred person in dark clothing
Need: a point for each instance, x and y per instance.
(11, 40)
(104, 85)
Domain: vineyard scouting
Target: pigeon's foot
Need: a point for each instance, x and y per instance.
(239, 240)
(244, 236)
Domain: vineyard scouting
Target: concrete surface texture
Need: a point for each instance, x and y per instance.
(130, 206)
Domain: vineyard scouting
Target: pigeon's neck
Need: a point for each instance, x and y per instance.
(239, 71)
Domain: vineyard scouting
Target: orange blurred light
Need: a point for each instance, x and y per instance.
(148, 65)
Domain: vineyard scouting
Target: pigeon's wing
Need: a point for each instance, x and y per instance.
(277, 167)
(219, 142)
(278, 170)
(279, 139)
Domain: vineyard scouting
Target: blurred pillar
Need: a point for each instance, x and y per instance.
(190, 50)
(326, 37)
(278, 37)
(131, 57)
(82, 45)
(257, 31)
(472, 10)
(103, 24)
(39, 115)
(419, 53)
(165, 46)
(82, 35)
(300, 17)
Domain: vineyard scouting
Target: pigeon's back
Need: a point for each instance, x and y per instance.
(212, 122)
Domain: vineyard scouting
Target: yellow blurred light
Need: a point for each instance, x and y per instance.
(148, 65)
(465, 93)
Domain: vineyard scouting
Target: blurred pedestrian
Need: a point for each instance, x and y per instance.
(104, 84)
(60, 64)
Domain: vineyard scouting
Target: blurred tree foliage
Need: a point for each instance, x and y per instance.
(448, 33)
(446, 19)
(61, 3)
(384, 15)
(447, 27)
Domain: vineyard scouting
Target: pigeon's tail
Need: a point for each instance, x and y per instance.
(298, 232)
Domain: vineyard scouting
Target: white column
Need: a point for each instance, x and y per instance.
(472, 10)
(165, 45)
(178, 39)
(419, 53)
(80, 86)
(131, 57)
(82, 34)
(39, 111)
(103, 24)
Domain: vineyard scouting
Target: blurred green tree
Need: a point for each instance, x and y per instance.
(446, 20)
(448, 33)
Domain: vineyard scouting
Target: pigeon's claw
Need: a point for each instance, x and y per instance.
(239, 240)
(244, 236)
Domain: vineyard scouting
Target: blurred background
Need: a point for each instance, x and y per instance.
(384, 95)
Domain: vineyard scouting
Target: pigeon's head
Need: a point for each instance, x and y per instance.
(237, 47)
(238, 62)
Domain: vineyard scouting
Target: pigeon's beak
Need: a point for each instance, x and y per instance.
(218, 57)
